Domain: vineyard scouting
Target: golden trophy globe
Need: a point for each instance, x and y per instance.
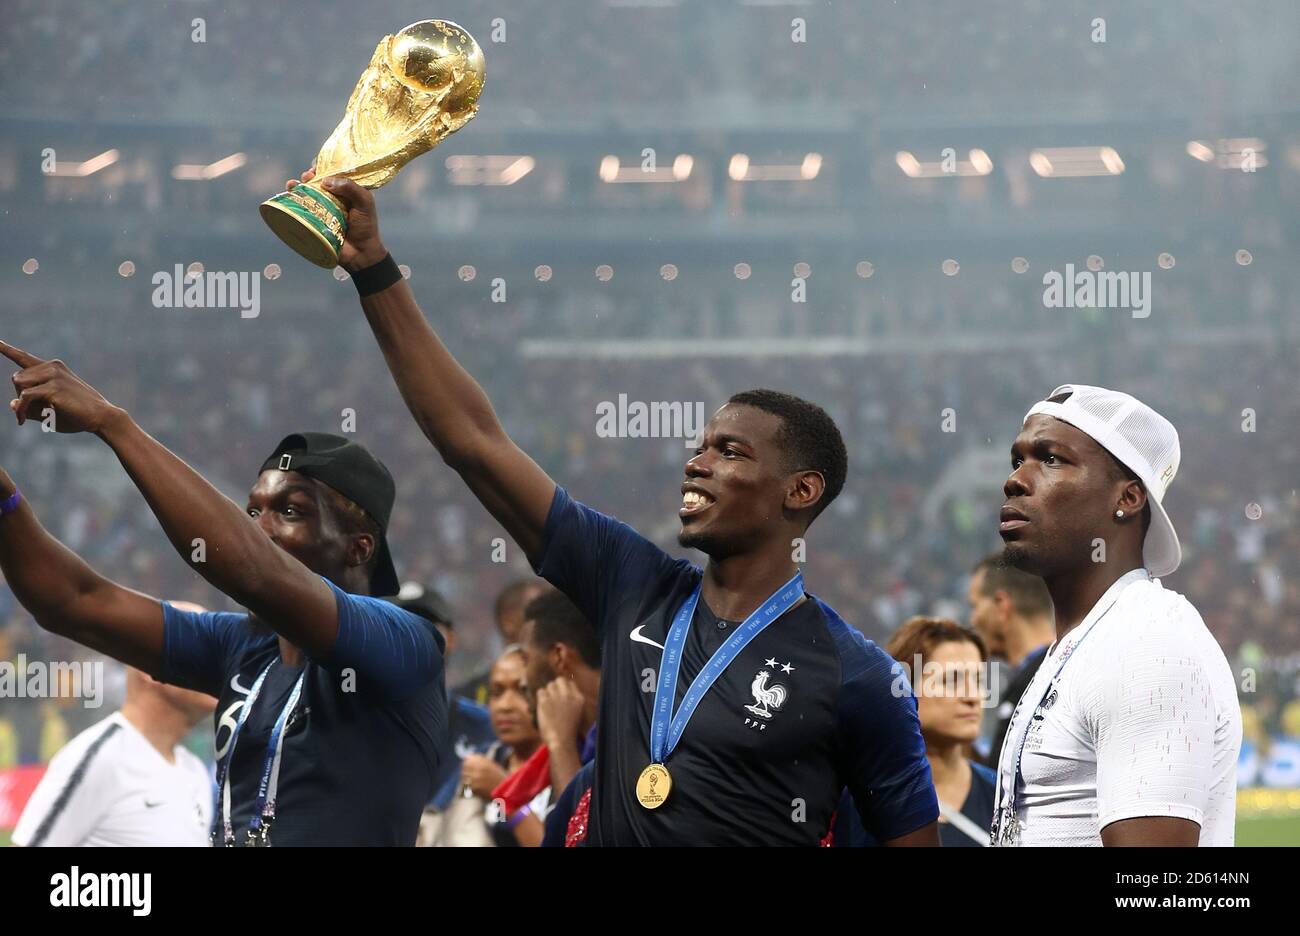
(421, 86)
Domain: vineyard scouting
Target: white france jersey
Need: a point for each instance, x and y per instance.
(1142, 721)
(110, 786)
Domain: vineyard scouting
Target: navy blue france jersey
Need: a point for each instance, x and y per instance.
(978, 808)
(361, 748)
(805, 710)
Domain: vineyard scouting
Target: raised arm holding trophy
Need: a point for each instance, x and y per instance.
(421, 86)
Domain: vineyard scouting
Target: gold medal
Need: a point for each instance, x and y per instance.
(653, 786)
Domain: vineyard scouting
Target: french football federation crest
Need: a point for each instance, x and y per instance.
(765, 697)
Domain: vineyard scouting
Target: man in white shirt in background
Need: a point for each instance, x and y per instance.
(127, 780)
(1129, 732)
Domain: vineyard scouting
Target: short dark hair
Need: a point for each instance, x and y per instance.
(353, 520)
(810, 437)
(556, 619)
(1027, 592)
(515, 595)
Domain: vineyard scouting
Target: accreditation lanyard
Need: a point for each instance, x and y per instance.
(1006, 830)
(666, 729)
(264, 807)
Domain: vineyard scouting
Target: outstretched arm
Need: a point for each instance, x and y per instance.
(69, 598)
(448, 404)
(236, 557)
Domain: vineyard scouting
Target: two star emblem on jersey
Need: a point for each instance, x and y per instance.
(767, 698)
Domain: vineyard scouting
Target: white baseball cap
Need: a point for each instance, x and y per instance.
(1142, 441)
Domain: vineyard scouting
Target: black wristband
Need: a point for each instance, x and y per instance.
(377, 277)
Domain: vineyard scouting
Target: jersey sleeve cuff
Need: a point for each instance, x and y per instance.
(560, 500)
(1153, 811)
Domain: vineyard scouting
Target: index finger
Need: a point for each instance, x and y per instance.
(19, 356)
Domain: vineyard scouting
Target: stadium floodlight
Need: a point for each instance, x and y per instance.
(742, 169)
(193, 172)
(1076, 161)
(489, 170)
(1230, 152)
(977, 163)
(89, 167)
(612, 170)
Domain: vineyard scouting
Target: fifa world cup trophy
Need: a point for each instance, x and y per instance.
(421, 86)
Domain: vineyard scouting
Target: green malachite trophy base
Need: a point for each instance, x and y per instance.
(294, 216)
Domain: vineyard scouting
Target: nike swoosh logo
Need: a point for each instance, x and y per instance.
(639, 638)
(151, 805)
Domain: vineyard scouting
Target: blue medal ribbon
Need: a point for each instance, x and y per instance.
(225, 815)
(264, 807)
(666, 729)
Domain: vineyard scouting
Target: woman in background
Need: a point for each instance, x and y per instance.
(944, 663)
(517, 740)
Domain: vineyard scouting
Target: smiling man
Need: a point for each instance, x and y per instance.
(765, 703)
(331, 716)
(1129, 732)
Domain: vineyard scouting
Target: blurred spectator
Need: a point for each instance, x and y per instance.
(562, 660)
(469, 727)
(127, 780)
(562, 655)
(509, 615)
(949, 692)
(517, 741)
(1012, 612)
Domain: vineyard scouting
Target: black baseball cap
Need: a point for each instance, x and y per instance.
(426, 601)
(349, 468)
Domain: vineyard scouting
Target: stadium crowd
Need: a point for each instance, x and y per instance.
(1025, 51)
(928, 375)
(918, 511)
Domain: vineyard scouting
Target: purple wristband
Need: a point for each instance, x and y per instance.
(522, 813)
(10, 503)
